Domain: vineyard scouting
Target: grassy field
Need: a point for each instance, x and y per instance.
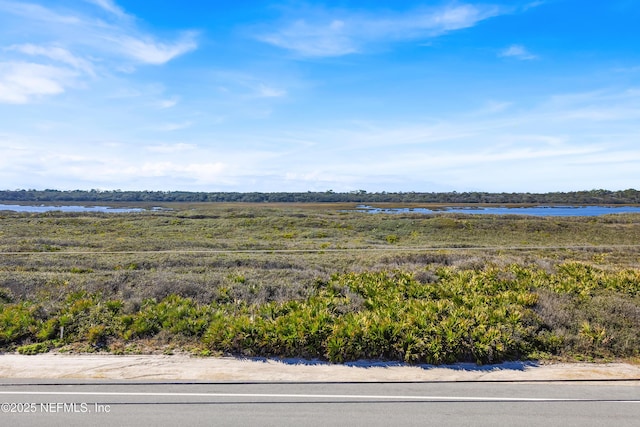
(319, 281)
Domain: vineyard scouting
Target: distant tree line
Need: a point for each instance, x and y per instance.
(590, 197)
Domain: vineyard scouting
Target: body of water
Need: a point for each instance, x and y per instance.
(534, 210)
(49, 208)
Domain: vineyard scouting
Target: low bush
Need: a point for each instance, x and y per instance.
(35, 348)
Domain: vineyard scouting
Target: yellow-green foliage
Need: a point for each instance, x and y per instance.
(16, 322)
(35, 348)
(174, 314)
(486, 316)
(465, 315)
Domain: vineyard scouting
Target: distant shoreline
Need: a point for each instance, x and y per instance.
(476, 198)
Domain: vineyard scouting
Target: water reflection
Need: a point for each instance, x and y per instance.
(532, 210)
(49, 208)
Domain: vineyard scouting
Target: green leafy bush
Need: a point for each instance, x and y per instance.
(17, 322)
(35, 348)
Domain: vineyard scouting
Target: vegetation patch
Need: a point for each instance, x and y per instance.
(318, 283)
(485, 316)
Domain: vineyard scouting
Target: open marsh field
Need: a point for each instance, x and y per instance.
(319, 281)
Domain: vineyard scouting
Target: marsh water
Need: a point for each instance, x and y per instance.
(502, 210)
(51, 208)
(531, 210)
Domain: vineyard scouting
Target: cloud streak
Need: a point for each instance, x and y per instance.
(36, 12)
(111, 7)
(517, 51)
(326, 33)
(146, 50)
(56, 54)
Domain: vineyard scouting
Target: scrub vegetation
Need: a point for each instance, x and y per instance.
(321, 281)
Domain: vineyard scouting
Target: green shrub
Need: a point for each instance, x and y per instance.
(35, 348)
(17, 322)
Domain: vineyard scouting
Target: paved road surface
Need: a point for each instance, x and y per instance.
(98, 403)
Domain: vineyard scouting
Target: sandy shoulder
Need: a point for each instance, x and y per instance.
(182, 367)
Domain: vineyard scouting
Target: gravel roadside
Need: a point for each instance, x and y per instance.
(184, 367)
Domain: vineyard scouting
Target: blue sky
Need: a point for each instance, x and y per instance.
(522, 96)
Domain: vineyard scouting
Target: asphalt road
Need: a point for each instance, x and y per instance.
(108, 403)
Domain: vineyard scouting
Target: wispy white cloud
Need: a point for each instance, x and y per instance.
(493, 107)
(167, 103)
(594, 107)
(23, 82)
(55, 53)
(264, 91)
(324, 33)
(110, 7)
(146, 50)
(534, 4)
(517, 51)
(248, 85)
(71, 44)
(317, 39)
(36, 12)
